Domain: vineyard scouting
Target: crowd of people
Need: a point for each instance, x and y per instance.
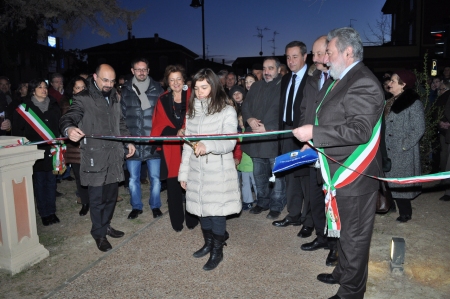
(336, 104)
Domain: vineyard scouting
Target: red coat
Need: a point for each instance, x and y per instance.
(164, 124)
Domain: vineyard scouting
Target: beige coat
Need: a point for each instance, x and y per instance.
(212, 181)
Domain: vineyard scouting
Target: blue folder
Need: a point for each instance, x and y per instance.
(294, 159)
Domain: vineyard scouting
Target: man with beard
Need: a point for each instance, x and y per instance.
(260, 113)
(315, 202)
(347, 122)
(139, 97)
(96, 111)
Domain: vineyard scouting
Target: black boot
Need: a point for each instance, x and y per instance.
(84, 209)
(216, 255)
(208, 236)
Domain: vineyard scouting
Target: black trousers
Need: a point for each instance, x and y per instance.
(297, 190)
(102, 200)
(82, 190)
(357, 214)
(294, 194)
(404, 206)
(177, 212)
(317, 204)
(218, 224)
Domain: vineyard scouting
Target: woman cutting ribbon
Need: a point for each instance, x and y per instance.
(207, 170)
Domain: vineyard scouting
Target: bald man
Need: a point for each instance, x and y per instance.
(97, 111)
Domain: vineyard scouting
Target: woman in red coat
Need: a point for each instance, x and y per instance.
(168, 120)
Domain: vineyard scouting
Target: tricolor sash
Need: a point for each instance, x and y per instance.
(353, 166)
(57, 150)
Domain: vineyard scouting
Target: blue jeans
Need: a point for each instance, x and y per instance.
(134, 167)
(44, 184)
(268, 195)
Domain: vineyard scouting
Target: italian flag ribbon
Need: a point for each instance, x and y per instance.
(355, 164)
(46, 134)
(347, 172)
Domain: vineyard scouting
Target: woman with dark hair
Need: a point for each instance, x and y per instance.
(249, 79)
(405, 125)
(168, 120)
(73, 156)
(38, 108)
(207, 171)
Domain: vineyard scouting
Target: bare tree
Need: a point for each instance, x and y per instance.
(69, 15)
(380, 33)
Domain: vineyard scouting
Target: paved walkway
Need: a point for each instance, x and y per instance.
(262, 261)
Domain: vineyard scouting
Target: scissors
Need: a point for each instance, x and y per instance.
(191, 144)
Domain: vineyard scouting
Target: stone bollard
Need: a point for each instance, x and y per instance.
(19, 242)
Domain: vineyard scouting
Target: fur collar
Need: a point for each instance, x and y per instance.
(405, 100)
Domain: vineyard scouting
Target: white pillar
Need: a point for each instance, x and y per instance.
(19, 242)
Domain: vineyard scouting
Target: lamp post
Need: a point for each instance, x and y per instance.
(196, 4)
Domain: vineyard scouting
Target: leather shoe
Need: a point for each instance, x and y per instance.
(84, 209)
(58, 194)
(445, 198)
(134, 214)
(335, 297)
(69, 179)
(286, 222)
(54, 218)
(305, 232)
(46, 221)
(332, 258)
(257, 210)
(314, 245)
(404, 218)
(327, 278)
(273, 215)
(157, 213)
(113, 233)
(103, 244)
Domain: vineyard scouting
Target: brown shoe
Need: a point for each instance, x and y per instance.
(119, 198)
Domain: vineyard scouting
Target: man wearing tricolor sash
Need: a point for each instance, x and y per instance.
(347, 129)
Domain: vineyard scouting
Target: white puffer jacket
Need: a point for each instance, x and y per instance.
(212, 181)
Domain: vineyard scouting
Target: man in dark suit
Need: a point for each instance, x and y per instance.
(349, 108)
(318, 75)
(297, 180)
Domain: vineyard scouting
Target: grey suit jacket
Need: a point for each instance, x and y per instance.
(347, 117)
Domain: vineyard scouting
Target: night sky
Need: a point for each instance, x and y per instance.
(231, 25)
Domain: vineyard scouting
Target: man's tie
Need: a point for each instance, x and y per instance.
(325, 75)
(290, 101)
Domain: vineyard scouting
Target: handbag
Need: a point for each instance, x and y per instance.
(384, 200)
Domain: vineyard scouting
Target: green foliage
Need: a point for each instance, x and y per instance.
(428, 143)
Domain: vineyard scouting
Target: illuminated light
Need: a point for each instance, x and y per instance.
(398, 250)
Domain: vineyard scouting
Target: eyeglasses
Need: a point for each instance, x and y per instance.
(108, 81)
(141, 70)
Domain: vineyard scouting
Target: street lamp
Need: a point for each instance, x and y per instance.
(196, 4)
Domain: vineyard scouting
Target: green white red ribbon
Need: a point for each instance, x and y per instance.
(408, 180)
